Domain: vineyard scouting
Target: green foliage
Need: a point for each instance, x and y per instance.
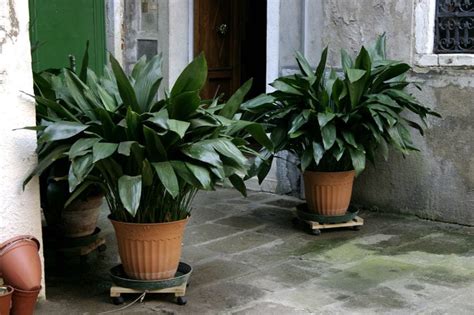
(149, 155)
(334, 122)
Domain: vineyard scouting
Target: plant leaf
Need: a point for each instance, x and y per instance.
(130, 192)
(81, 147)
(61, 130)
(167, 176)
(234, 102)
(238, 184)
(103, 150)
(328, 133)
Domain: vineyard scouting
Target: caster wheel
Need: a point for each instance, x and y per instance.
(316, 232)
(181, 300)
(102, 248)
(118, 300)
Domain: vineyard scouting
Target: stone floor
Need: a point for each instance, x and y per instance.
(249, 259)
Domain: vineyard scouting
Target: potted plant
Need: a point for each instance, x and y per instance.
(5, 299)
(335, 121)
(150, 156)
(79, 218)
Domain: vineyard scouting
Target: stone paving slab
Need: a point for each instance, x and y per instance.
(249, 259)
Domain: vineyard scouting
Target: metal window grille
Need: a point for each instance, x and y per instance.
(454, 27)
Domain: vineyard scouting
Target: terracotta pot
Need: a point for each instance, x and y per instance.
(20, 263)
(80, 217)
(5, 299)
(328, 193)
(24, 302)
(150, 251)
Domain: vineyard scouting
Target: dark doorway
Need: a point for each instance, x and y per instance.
(232, 34)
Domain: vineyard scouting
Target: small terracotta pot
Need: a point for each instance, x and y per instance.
(328, 193)
(24, 302)
(80, 217)
(20, 263)
(150, 251)
(5, 299)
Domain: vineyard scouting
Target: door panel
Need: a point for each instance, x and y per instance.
(62, 28)
(217, 33)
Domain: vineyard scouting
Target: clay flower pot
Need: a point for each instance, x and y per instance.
(24, 301)
(5, 299)
(328, 193)
(80, 217)
(20, 263)
(150, 251)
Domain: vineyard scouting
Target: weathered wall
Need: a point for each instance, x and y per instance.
(19, 210)
(438, 182)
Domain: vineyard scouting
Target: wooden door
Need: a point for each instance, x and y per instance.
(217, 34)
(61, 28)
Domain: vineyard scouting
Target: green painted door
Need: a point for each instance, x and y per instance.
(60, 28)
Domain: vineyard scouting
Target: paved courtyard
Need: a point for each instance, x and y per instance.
(249, 259)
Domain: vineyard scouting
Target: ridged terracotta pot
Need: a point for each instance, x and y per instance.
(150, 251)
(5, 299)
(328, 193)
(20, 264)
(24, 301)
(80, 217)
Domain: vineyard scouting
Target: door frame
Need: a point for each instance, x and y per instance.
(272, 40)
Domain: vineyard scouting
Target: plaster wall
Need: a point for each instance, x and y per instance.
(438, 182)
(19, 209)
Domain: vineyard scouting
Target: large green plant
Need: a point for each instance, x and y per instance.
(335, 121)
(150, 156)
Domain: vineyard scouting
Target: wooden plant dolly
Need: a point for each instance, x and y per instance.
(76, 247)
(316, 222)
(124, 285)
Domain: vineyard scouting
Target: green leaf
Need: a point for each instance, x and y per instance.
(355, 75)
(85, 63)
(184, 173)
(346, 60)
(192, 78)
(153, 144)
(147, 82)
(324, 118)
(328, 133)
(238, 184)
(125, 147)
(81, 166)
(201, 174)
(280, 85)
(130, 192)
(61, 130)
(178, 126)
(82, 146)
(103, 150)
(160, 118)
(349, 138)
(304, 66)
(358, 159)
(321, 67)
(318, 152)
(227, 148)
(260, 101)
(183, 105)
(203, 152)
(45, 161)
(234, 102)
(167, 176)
(127, 93)
(306, 158)
(258, 133)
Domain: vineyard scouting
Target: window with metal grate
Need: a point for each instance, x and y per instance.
(454, 27)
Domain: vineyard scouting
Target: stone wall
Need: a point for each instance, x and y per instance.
(19, 209)
(438, 182)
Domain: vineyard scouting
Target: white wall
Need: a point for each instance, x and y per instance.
(19, 210)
